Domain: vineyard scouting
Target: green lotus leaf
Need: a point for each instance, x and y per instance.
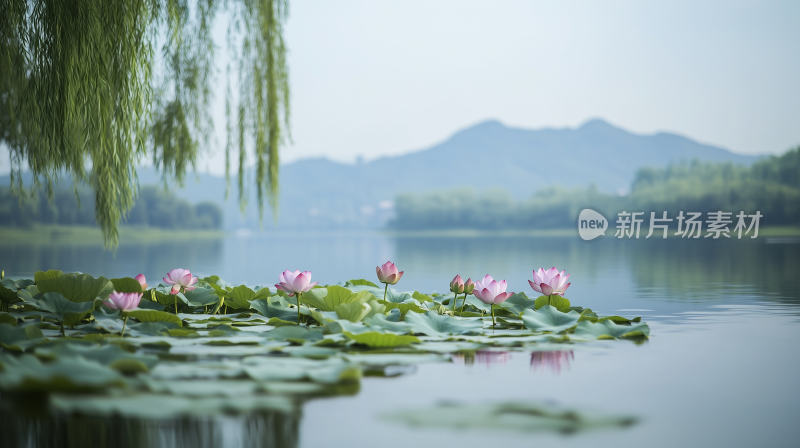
(560, 303)
(295, 333)
(27, 373)
(46, 275)
(8, 292)
(548, 318)
(341, 325)
(360, 282)
(6, 318)
(12, 336)
(240, 297)
(619, 320)
(394, 296)
(403, 307)
(150, 328)
(154, 316)
(267, 310)
(203, 297)
(77, 287)
(126, 284)
(609, 330)
(476, 302)
(588, 314)
(327, 299)
(380, 321)
(62, 308)
(434, 324)
(354, 311)
(105, 355)
(421, 298)
(518, 303)
(525, 417)
(381, 340)
(146, 304)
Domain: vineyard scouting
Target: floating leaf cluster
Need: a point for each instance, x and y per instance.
(243, 348)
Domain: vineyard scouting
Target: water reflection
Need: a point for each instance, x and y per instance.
(30, 424)
(483, 357)
(552, 361)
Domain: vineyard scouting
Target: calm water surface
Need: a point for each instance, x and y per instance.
(719, 370)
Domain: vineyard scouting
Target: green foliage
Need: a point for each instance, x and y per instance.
(361, 282)
(770, 186)
(266, 309)
(609, 330)
(27, 373)
(154, 316)
(353, 311)
(77, 287)
(126, 284)
(327, 299)
(200, 296)
(79, 93)
(433, 324)
(381, 340)
(550, 319)
(560, 303)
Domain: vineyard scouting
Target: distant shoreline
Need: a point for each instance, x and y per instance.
(84, 235)
(131, 235)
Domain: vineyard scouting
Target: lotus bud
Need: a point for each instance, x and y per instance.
(457, 285)
(469, 286)
(387, 273)
(142, 281)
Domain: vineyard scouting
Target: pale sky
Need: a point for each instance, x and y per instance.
(375, 78)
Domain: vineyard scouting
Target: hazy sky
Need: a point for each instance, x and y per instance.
(375, 78)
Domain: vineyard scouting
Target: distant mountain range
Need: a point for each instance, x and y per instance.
(320, 193)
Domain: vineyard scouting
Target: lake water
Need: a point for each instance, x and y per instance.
(720, 368)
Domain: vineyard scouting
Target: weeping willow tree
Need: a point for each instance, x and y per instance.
(92, 88)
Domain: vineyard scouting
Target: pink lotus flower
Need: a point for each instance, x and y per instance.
(490, 291)
(142, 281)
(294, 282)
(123, 301)
(180, 279)
(550, 282)
(457, 285)
(387, 273)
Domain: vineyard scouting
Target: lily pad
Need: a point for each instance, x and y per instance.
(381, 340)
(126, 284)
(154, 316)
(550, 319)
(560, 303)
(203, 297)
(77, 287)
(525, 417)
(267, 310)
(433, 324)
(609, 330)
(354, 311)
(27, 373)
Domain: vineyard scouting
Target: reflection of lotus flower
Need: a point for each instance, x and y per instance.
(123, 301)
(142, 281)
(552, 360)
(490, 291)
(294, 282)
(457, 285)
(387, 273)
(485, 357)
(180, 279)
(550, 282)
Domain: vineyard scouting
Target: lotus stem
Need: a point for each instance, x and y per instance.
(298, 309)
(124, 323)
(550, 300)
(63, 334)
(461, 313)
(385, 289)
(492, 305)
(176, 304)
(455, 298)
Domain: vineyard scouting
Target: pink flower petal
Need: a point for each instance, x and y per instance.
(535, 286)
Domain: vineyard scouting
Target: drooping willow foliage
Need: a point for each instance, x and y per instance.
(85, 90)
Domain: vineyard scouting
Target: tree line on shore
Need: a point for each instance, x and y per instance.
(153, 208)
(770, 186)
